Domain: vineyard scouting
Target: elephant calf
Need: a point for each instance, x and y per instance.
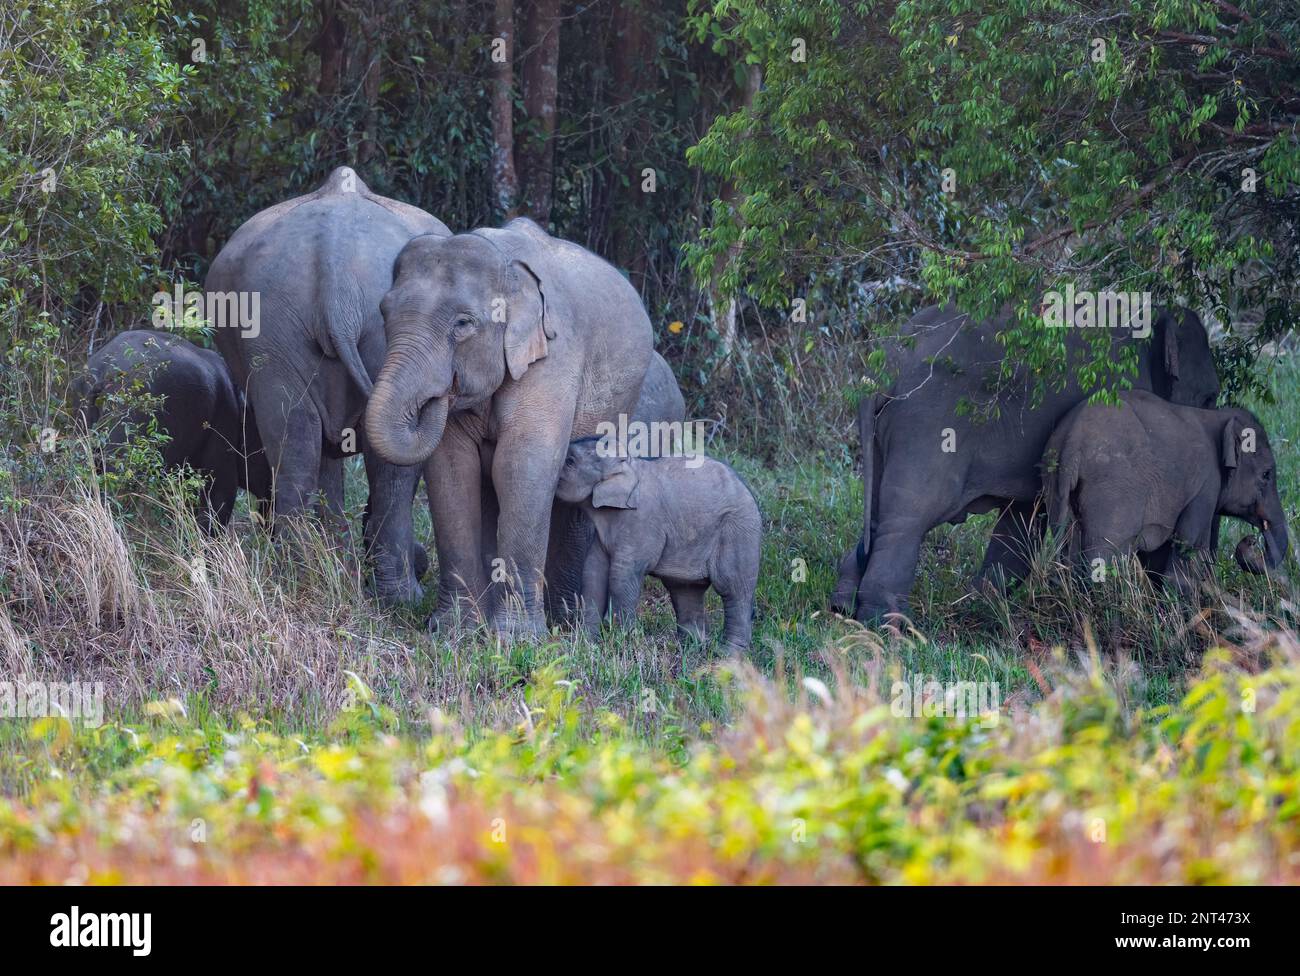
(1153, 477)
(202, 413)
(689, 524)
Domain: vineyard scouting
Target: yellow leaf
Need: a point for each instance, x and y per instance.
(676, 327)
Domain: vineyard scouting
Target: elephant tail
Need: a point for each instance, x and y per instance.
(339, 333)
(1060, 479)
(867, 436)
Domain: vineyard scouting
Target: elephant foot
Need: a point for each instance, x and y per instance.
(516, 625)
(419, 561)
(874, 614)
(399, 594)
(455, 616)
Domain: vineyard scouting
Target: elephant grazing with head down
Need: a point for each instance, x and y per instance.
(503, 346)
(1151, 477)
(200, 410)
(320, 264)
(950, 438)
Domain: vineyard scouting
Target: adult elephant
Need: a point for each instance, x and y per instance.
(947, 440)
(572, 530)
(503, 345)
(320, 265)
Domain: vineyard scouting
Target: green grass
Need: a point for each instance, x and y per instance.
(278, 647)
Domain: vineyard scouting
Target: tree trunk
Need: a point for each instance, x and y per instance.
(330, 45)
(630, 53)
(540, 70)
(373, 31)
(505, 182)
(724, 308)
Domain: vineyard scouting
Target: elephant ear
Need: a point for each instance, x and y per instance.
(1171, 345)
(528, 324)
(1231, 438)
(617, 489)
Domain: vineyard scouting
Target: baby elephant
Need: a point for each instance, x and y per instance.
(202, 413)
(1153, 477)
(691, 522)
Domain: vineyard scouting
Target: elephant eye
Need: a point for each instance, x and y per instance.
(463, 327)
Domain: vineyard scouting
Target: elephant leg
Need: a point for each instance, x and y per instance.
(390, 531)
(291, 433)
(852, 565)
(571, 536)
(688, 607)
(1100, 553)
(525, 469)
(217, 502)
(1190, 555)
(912, 501)
(738, 620)
(329, 502)
(625, 581)
(891, 568)
(595, 588)
(493, 565)
(1156, 562)
(453, 477)
(1016, 537)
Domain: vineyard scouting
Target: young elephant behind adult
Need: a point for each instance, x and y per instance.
(201, 412)
(1152, 477)
(687, 523)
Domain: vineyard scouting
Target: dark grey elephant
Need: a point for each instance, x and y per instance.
(503, 345)
(320, 265)
(1151, 477)
(691, 524)
(572, 531)
(201, 411)
(945, 440)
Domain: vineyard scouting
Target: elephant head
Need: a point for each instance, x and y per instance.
(463, 312)
(609, 481)
(1250, 490)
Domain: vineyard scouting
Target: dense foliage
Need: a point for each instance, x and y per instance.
(991, 152)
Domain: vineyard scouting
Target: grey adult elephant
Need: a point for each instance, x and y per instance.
(503, 345)
(321, 263)
(946, 441)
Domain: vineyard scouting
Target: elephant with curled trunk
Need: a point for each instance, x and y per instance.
(503, 346)
(949, 438)
(319, 265)
(1151, 477)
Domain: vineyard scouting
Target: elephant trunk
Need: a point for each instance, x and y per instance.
(1275, 548)
(407, 413)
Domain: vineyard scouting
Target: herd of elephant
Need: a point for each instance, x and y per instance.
(487, 362)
